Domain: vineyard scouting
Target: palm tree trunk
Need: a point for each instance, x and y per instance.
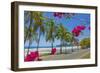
(27, 35)
(38, 41)
(25, 42)
(24, 48)
(28, 48)
(61, 47)
(52, 44)
(25, 39)
(72, 48)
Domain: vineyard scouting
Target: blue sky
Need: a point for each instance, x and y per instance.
(77, 19)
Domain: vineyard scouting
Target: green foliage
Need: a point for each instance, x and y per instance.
(61, 31)
(85, 43)
(38, 21)
(50, 30)
(63, 35)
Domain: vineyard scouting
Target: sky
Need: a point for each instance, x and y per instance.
(77, 19)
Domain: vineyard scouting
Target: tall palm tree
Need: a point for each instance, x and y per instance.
(67, 39)
(38, 25)
(26, 27)
(32, 36)
(29, 32)
(50, 31)
(61, 34)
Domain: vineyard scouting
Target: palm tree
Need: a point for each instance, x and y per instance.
(32, 36)
(68, 38)
(29, 32)
(38, 25)
(61, 34)
(50, 31)
(26, 27)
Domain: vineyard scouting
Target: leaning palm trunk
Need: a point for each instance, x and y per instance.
(61, 47)
(52, 40)
(52, 44)
(28, 49)
(25, 39)
(24, 43)
(38, 42)
(24, 48)
(29, 43)
(28, 34)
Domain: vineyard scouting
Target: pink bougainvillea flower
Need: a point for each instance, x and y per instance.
(35, 53)
(53, 51)
(77, 30)
(80, 27)
(83, 27)
(76, 33)
(28, 58)
(33, 56)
